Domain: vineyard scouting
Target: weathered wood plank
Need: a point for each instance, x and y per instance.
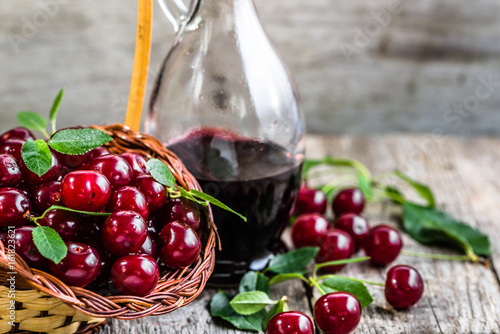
(458, 296)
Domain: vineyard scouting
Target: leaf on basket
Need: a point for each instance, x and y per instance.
(78, 141)
(295, 261)
(220, 307)
(55, 109)
(36, 156)
(32, 120)
(49, 243)
(429, 225)
(160, 172)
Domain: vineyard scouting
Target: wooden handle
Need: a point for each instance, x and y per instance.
(141, 65)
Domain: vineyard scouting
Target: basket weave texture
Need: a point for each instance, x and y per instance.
(45, 304)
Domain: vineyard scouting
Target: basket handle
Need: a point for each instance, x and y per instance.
(141, 64)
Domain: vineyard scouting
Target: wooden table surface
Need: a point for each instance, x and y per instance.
(459, 297)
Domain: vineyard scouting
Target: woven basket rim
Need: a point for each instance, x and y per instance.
(175, 289)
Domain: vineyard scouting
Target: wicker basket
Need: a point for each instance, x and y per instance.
(45, 304)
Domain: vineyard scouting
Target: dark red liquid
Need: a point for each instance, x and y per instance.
(258, 179)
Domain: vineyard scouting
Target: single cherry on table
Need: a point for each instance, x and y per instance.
(348, 201)
(403, 286)
(310, 201)
(335, 245)
(337, 313)
(383, 245)
(308, 229)
(290, 322)
(356, 225)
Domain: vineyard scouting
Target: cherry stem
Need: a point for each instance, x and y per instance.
(314, 282)
(338, 262)
(59, 207)
(350, 278)
(471, 257)
(337, 182)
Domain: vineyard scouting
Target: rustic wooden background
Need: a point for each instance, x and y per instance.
(362, 66)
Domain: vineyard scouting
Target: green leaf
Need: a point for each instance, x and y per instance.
(160, 172)
(254, 281)
(32, 120)
(186, 194)
(36, 156)
(78, 141)
(364, 185)
(423, 190)
(429, 225)
(277, 308)
(345, 284)
(295, 261)
(220, 307)
(55, 109)
(394, 194)
(250, 302)
(284, 277)
(215, 202)
(49, 243)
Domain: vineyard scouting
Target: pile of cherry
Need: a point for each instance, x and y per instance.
(340, 312)
(145, 226)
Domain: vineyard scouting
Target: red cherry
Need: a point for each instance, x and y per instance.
(14, 205)
(348, 201)
(383, 245)
(67, 224)
(290, 322)
(24, 246)
(180, 245)
(149, 247)
(10, 173)
(128, 198)
(403, 286)
(80, 266)
(308, 229)
(357, 227)
(135, 275)
(137, 162)
(335, 245)
(85, 191)
(310, 201)
(46, 195)
(13, 147)
(155, 192)
(124, 232)
(181, 210)
(337, 313)
(115, 168)
(17, 133)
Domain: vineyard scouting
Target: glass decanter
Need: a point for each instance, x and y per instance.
(225, 103)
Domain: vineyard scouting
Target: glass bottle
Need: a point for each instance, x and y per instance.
(225, 103)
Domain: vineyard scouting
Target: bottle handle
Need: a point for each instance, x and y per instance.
(175, 11)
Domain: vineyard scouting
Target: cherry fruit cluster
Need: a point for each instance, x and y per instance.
(340, 312)
(140, 226)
